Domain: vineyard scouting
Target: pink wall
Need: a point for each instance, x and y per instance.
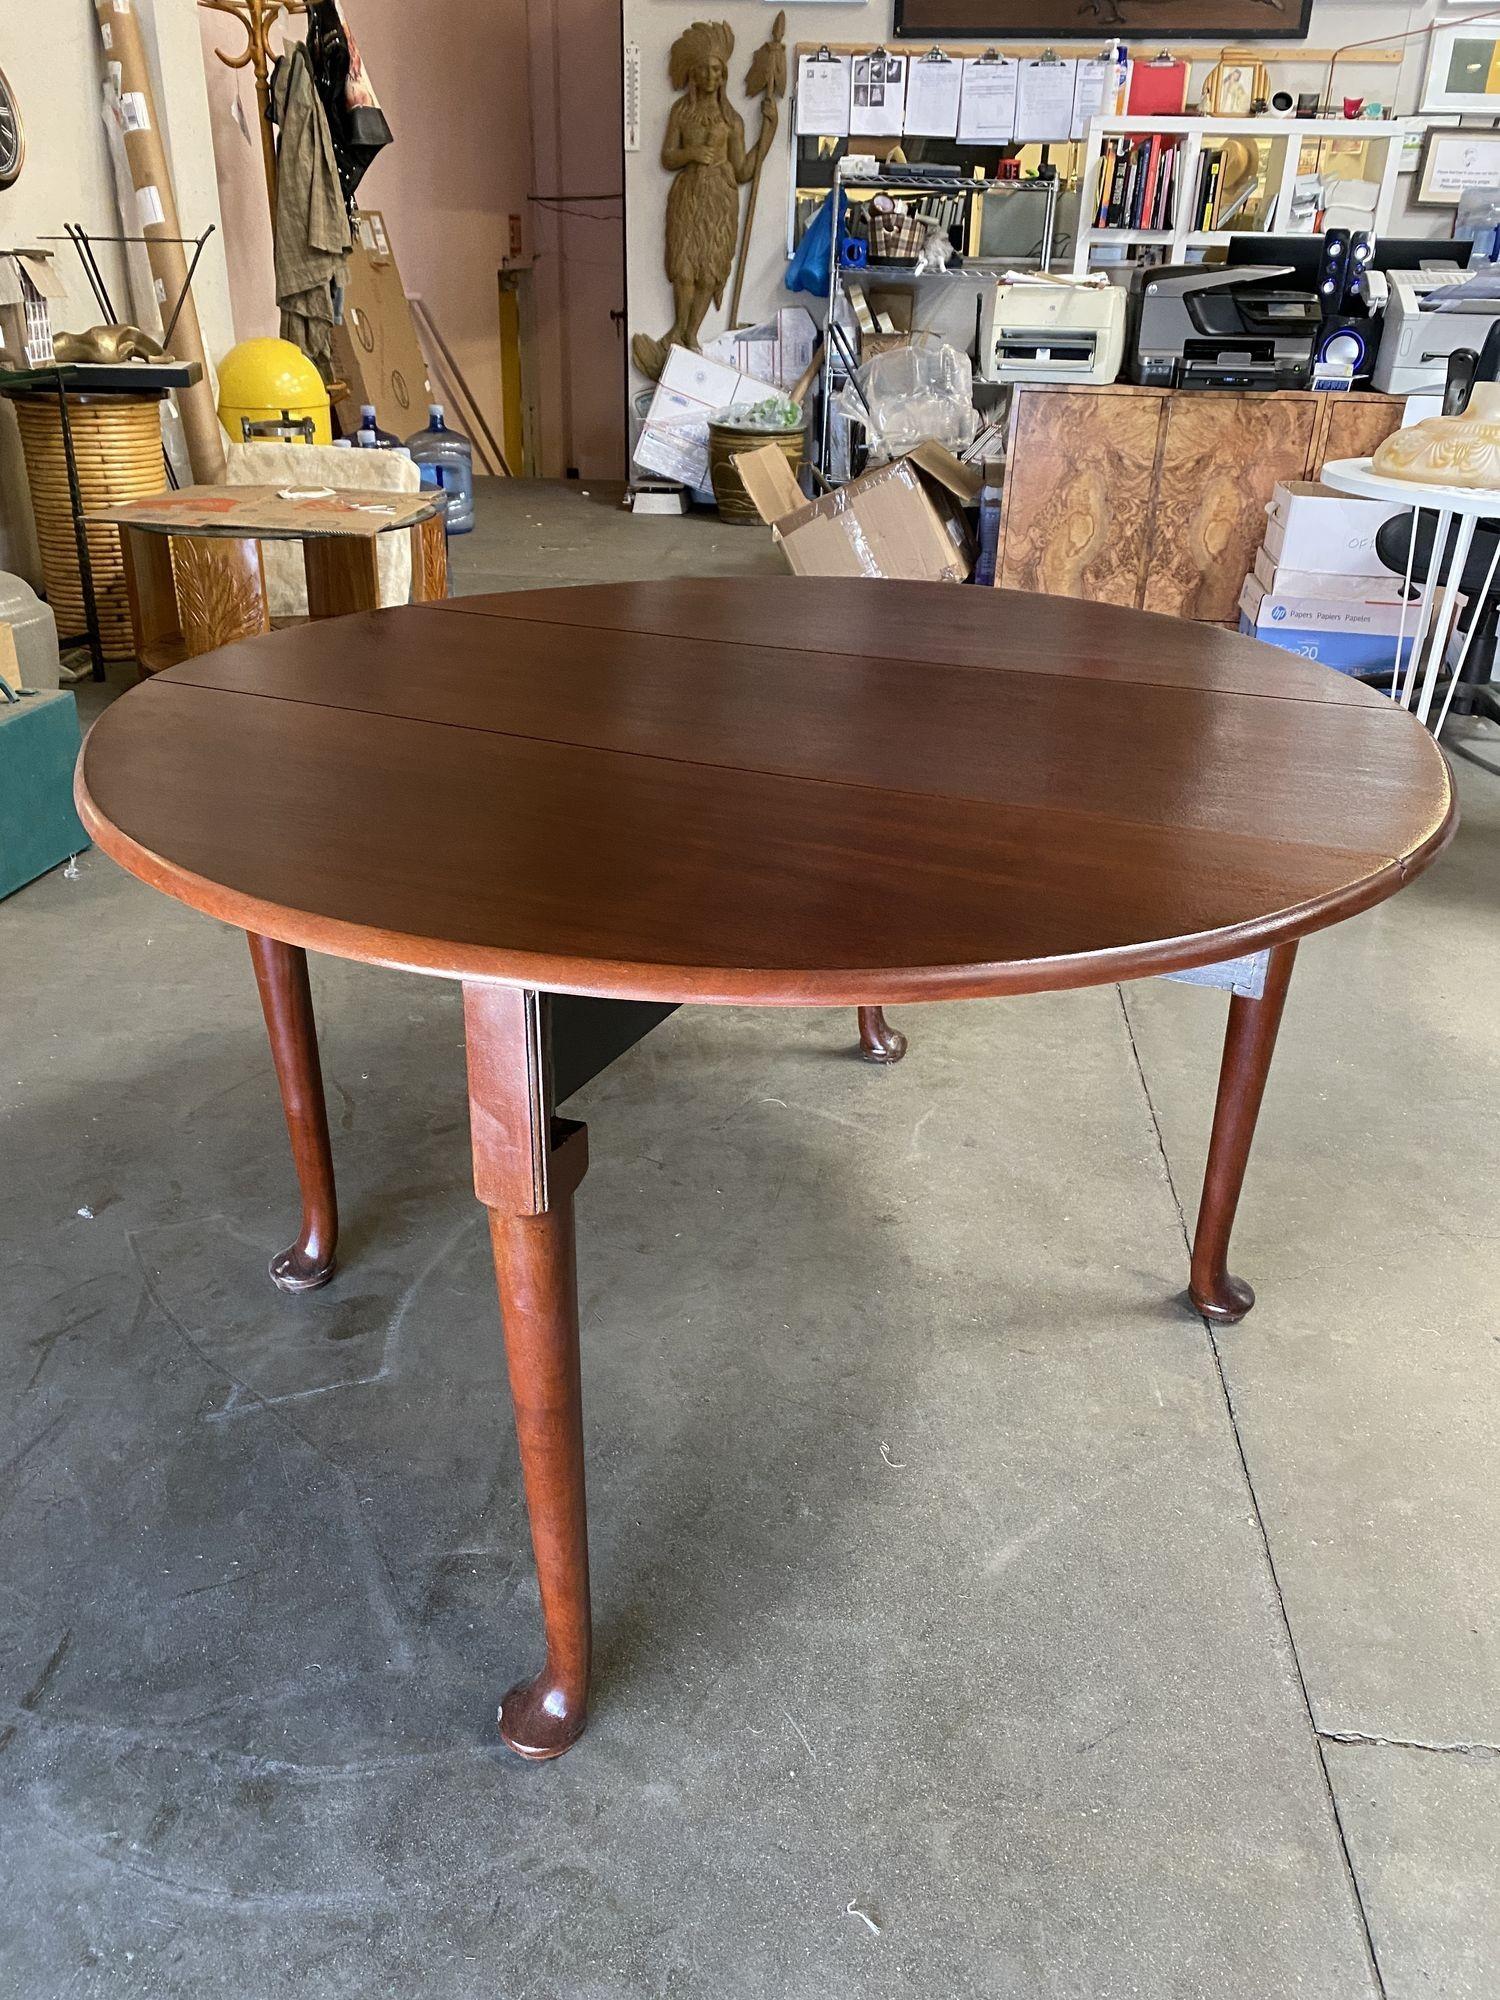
(459, 80)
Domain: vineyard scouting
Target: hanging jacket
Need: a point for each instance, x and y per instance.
(312, 223)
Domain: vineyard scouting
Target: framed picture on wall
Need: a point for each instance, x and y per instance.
(1454, 160)
(1463, 69)
(1059, 20)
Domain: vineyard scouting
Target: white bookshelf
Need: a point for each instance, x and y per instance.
(1280, 141)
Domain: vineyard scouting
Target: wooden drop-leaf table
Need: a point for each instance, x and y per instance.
(591, 805)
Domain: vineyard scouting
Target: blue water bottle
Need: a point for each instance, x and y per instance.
(446, 461)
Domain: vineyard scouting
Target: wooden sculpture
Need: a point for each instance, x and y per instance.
(767, 81)
(704, 151)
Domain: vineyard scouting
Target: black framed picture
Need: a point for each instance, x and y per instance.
(1155, 21)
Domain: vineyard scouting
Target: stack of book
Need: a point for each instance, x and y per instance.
(1224, 187)
(1137, 179)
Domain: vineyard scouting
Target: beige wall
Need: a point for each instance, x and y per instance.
(489, 101)
(654, 24)
(51, 54)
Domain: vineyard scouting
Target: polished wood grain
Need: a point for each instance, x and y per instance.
(286, 1000)
(1352, 427)
(1248, 1046)
(1221, 459)
(155, 622)
(752, 825)
(220, 587)
(527, 1165)
(1075, 518)
(1188, 535)
(343, 574)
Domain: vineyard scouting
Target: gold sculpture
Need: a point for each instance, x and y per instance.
(704, 151)
(1448, 451)
(108, 344)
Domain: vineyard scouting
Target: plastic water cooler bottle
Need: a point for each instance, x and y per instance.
(446, 460)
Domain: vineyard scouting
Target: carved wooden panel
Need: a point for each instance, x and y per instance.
(1077, 494)
(429, 561)
(221, 591)
(1352, 427)
(1221, 459)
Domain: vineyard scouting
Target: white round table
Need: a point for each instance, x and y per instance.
(1457, 509)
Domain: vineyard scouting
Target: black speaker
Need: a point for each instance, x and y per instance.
(1333, 271)
(1361, 256)
(1351, 338)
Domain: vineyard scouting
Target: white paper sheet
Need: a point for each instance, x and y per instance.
(878, 95)
(823, 96)
(987, 107)
(1044, 100)
(932, 94)
(1095, 79)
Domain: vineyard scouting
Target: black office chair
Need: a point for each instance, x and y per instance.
(1476, 693)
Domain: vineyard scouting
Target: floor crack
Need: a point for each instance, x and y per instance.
(1318, 1736)
(1368, 1739)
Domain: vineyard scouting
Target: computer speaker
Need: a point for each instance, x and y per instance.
(1333, 271)
(1345, 339)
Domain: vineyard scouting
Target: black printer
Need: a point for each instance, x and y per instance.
(1220, 326)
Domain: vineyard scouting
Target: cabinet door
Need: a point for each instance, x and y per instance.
(1354, 425)
(1220, 461)
(1077, 493)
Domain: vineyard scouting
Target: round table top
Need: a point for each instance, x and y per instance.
(783, 789)
(1357, 476)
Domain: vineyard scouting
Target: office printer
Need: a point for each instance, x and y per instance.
(1034, 331)
(1219, 326)
(1417, 341)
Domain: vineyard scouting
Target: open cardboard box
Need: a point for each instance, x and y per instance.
(905, 519)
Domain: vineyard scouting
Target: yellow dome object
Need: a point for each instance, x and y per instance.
(269, 390)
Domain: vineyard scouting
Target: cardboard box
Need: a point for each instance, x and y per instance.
(1310, 527)
(905, 519)
(1353, 635)
(1280, 581)
(29, 282)
(674, 438)
(776, 353)
(376, 350)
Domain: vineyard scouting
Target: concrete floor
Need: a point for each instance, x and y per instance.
(948, 1572)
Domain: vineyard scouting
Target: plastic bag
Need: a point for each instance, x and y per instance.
(810, 264)
(910, 394)
(771, 413)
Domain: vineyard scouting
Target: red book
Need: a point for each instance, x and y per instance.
(1153, 167)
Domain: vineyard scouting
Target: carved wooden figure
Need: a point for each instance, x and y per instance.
(704, 151)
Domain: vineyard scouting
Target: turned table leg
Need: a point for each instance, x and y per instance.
(879, 1042)
(1248, 1043)
(286, 998)
(527, 1164)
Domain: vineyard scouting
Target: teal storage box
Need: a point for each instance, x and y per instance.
(39, 739)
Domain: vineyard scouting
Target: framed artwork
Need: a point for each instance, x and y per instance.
(1152, 21)
(1463, 69)
(1453, 162)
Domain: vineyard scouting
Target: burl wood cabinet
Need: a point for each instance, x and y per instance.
(1156, 498)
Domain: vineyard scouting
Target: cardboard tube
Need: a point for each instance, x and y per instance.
(156, 213)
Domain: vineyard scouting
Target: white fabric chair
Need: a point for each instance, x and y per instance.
(324, 465)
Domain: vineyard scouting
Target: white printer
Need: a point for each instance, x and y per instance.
(1415, 343)
(1038, 330)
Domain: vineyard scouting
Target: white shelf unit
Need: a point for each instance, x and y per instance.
(1282, 138)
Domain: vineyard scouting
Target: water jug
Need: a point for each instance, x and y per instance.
(446, 461)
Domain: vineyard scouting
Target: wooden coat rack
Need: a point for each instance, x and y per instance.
(258, 18)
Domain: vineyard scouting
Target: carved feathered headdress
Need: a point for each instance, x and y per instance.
(705, 41)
